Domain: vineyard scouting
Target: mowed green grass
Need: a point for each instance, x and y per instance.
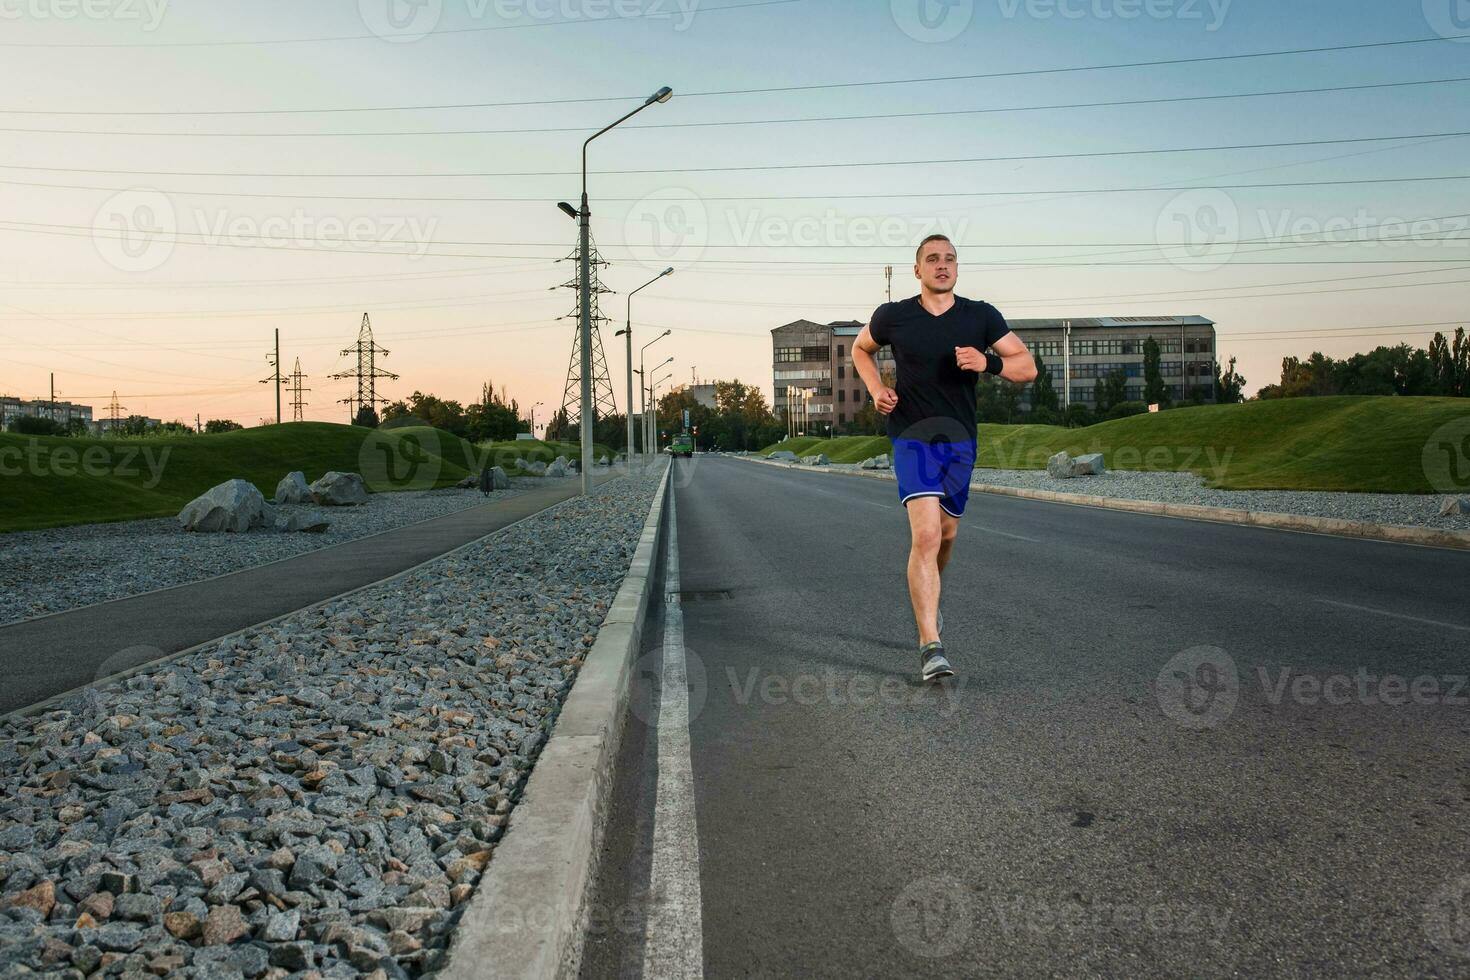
(53, 481)
(1351, 443)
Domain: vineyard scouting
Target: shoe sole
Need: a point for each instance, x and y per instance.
(937, 675)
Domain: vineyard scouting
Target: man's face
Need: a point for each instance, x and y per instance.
(937, 267)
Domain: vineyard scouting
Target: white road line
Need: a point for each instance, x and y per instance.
(1004, 534)
(674, 943)
(1385, 612)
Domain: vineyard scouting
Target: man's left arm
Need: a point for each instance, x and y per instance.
(1011, 359)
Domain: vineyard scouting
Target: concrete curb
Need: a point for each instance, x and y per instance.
(1398, 534)
(528, 914)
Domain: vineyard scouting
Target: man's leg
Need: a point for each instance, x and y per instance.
(949, 526)
(926, 530)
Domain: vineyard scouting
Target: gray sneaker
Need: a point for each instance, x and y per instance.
(932, 664)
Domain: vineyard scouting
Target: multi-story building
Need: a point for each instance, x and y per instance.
(41, 408)
(815, 382)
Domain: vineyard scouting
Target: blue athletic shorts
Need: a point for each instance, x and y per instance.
(940, 469)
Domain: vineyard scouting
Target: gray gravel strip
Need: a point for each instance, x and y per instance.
(1403, 509)
(63, 568)
(318, 795)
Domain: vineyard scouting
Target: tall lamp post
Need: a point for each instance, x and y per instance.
(644, 375)
(584, 290)
(627, 334)
(651, 419)
(533, 418)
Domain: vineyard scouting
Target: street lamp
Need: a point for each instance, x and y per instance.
(627, 334)
(533, 418)
(584, 290)
(653, 403)
(646, 428)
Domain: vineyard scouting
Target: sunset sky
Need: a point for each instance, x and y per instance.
(209, 123)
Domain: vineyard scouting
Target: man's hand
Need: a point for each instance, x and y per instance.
(886, 399)
(970, 359)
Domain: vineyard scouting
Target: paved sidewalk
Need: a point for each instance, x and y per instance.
(43, 657)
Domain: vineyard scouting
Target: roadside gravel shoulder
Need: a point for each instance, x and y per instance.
(62, 568)
(319, 794)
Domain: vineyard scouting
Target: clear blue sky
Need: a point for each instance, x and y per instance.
(184, 328)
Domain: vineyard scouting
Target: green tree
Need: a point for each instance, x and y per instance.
(1109, 391)
(214, 426)
(1043, 392)
(367, 416)
(1155, 392)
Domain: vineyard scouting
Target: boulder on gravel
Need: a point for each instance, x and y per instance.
(468, 483)
(498, 479)
(310, 522)
(558, 468)
(816, 459)
(602, 460)
(234, 505)
(1454, 506)
(293, 489)
(879, 462)
(339, 489)
(1089, 465)
(1061, 467)
(784, 455)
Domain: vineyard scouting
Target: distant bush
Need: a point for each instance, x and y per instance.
(32, 425)
(1123, 410)
(221, 425)
(1079, 415)
(1042, 415)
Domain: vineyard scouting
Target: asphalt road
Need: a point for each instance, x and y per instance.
(1173, 748)
(50, 655)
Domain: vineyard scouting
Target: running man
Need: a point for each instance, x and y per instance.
(941, 342)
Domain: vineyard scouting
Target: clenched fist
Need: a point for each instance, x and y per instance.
(886, 399)
(970, 358)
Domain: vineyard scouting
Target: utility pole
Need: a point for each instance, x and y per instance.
(367, 372)
(198, 425)
(114, 411)
(888, 275)
(275, 378)
(1066, 364)
(296, 403)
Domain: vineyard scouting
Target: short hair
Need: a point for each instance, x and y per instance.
(919, 252)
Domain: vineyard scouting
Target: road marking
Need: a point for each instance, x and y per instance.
(1005, 534)
(1385, 612)
(673, 945)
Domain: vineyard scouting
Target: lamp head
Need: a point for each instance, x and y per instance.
(662, 95)
(667, 272)
(570, 211)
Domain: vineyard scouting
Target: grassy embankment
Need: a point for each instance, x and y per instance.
(54, 481)
(1342, 443)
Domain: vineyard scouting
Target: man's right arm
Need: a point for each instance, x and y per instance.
(863, 349)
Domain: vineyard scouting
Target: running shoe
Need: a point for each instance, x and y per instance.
(932, 664)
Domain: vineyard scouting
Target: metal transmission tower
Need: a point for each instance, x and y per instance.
(603, 404)
(367, 373)
(114, 410)
(296, 403)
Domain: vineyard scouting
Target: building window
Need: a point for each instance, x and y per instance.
(841, 350)
(803, 374)
(841, 418)
(841, 371)
(842, 394)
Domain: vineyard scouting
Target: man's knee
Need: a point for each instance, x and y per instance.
(927, 538)
(948, 530)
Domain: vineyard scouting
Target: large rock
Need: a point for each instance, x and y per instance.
(784, 455)
(536, 468)
(498, 479)
(309, 521)
(816, 459)
(558, 468)
(339, 489)
(234, 505)
(1454, 506)
(293, 489)
(602, 460)
(1061, 467)
(877, 462)
(1089, 465)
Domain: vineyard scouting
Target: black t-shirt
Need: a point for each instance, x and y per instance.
(936, 397)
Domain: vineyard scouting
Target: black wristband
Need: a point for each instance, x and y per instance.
(993, 363)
